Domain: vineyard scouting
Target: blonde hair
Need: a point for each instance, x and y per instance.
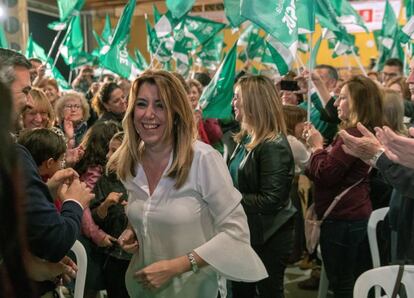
(394, 111)
(41, 102)
(262, 106)
(60, 104)
(180, 127)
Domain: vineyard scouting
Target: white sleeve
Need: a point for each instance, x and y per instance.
(229, 251)
(301, 154)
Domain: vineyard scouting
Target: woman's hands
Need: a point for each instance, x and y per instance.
(159, 273)
(313, 137)
(128, 241)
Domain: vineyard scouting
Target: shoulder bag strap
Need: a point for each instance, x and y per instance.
(338, 197)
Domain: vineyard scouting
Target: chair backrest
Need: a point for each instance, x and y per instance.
(384, 277)
(376, 216)
(82, 263)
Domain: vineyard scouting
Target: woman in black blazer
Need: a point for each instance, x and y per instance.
(262, 169)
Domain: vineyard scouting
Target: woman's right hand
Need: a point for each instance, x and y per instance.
(128, 241)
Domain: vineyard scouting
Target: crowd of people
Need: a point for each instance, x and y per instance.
(169, 204)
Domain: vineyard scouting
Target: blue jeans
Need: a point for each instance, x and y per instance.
(345, 253)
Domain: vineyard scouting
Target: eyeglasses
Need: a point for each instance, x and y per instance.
(72, 107)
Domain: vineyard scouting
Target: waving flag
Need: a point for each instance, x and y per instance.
(67, 8)
(305, 12)
(179, 8)
(73, 41)
(215, 101)
(233, 12)
(115, 56)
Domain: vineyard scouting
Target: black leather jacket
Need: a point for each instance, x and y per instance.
(265, 177)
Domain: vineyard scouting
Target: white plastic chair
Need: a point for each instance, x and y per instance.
(385, 278)
(82, 264)
(376, 216)
(323, 280)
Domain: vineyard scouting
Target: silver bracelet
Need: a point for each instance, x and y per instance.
(193, 262)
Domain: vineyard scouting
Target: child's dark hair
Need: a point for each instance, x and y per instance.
(43, 144)
(96, 144)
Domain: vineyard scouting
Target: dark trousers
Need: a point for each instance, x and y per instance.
(345, 254)
(274, 255)
(114, 275)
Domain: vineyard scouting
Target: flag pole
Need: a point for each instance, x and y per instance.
(53, 45)
(359, 62)
(309, 78)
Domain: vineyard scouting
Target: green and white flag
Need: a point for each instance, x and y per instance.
(315, 51)
(115, 56)
(33, 50)
(389, 46)
(159, 48)
(211, 53)
(201, 30)
(277, 18)
(233, 12)
(277, 56)
(253, 42)
(305, 13)
(72, 45)
(140, 60)
(68, 8)
(156, 12)
(347, 14)
(107, 30)
(408, 30)
(179, 8)
(3, 39)
(215, 101)
(303, 44)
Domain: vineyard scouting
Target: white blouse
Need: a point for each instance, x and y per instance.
(301, 154)
(204, 215)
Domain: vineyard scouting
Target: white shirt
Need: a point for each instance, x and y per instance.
(204, 215)
(301, 154)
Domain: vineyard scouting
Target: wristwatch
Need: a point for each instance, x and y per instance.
(374, 159)
(193, 262)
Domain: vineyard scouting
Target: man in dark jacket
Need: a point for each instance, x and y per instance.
(50, 234)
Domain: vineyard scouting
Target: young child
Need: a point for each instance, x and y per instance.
(90, 168)
(108, 211)
(48, 150)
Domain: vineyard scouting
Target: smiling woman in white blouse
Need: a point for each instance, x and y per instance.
(188, 231)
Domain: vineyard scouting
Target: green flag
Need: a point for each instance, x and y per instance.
(233, 13)
(33, 50)
(277, 18)
(303, 44)
(107, 30)
(160, 48)
(277, 56)
(305, 12)
(157, 14)
(347, 14)
(73, 42)
(215, 101)
(67, 8)
(201, 30)
(211, 52)
(253, 42)
(115, 56)
(389, 47)
(179, 8)
(140, 60)
(3, 39)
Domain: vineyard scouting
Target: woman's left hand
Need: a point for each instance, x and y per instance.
(313, 137)
(157, 274)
